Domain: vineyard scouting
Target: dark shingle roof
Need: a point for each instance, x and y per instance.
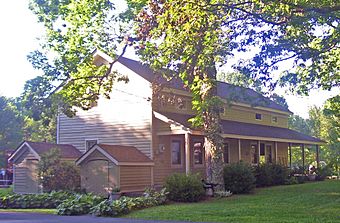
(224, 90)
(248, 129)
(66, 151)
(125, 153)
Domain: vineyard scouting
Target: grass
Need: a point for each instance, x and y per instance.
(310, 202)
(5, 191)
(41, 211)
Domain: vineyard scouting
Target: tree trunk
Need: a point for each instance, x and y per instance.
(213, 143)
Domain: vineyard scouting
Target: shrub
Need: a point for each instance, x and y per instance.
(323, 172)
(57, 175)
(81, 204)
(45, 200)
(270, 174)
(184, 188)
(239, 178)
(126, 204)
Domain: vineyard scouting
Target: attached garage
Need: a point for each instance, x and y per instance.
(25, 162)
(109, 166)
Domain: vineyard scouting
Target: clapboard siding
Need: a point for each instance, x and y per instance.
(124, 119)
(135, 178)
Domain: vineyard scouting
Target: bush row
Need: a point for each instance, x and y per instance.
(92, 205)
(45, 200)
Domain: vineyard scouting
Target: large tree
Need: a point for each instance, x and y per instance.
(191, 38)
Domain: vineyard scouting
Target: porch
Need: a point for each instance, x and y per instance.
(242, 141)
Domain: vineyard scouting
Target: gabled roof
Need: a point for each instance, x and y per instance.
(119, 155)
(243, 130)
(224, 90)
(38, 148)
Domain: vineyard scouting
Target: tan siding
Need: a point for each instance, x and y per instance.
(282, 153)
(162, 160)
(25, 173)
(135, 178)
(125, 119)
(242, 114)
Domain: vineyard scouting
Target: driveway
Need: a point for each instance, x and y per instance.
(12, 217)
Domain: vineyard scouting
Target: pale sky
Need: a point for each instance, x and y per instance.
(19, 33)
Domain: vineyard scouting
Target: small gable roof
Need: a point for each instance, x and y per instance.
(38, 148)
(119, 155)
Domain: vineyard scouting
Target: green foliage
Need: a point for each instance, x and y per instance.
(57, 175)
(127, 204)
(270, 174)
(239, 178)
(11, 124)
(323, 172)
(184, 188)
(45, 200)
(78, 205)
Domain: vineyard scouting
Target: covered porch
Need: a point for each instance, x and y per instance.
(242, 141)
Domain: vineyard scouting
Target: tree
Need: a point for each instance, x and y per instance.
(10, 124)
(191, 38)
(55, 174)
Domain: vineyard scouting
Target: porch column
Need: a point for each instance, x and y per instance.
(317, 157)
(258, 152)
(187, 153)
(276, 152)
(239, 150)
(303, 157)
(290, 155)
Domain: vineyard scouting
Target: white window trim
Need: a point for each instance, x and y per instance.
(277, 119)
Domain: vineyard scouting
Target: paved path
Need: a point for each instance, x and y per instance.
(14, 217)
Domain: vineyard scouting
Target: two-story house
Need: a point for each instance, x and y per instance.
(138, 137)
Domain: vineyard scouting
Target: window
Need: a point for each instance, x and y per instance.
(198, 153)
(274, 119)
(90, 143)
(226, 153)
(176, 152)
(258, 116)
(262, 153)
(269, 154)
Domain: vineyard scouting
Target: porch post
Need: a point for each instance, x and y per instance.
(290, 155)
(187, 153)
(317, 157)
(258, 152)
(239, 150)
(275, 152)
(303, 157)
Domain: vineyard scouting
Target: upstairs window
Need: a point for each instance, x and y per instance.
(274, 119)
(198, 153)
(258, 116)
(90, 143)
(176, 158)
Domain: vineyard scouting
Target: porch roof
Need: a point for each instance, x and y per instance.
(233, 129)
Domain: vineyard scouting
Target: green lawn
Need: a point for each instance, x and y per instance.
(42, 211)
(310, 202)
(5, 191)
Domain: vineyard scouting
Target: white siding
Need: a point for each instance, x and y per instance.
(125, 119)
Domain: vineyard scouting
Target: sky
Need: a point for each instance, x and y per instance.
(19, 34)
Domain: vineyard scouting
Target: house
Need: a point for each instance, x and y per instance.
(25, 163)
(154, 128)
